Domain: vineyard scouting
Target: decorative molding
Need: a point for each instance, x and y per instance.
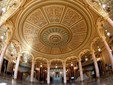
(70, 18)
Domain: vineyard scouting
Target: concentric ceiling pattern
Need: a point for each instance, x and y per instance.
(55, 36)
(55, 27)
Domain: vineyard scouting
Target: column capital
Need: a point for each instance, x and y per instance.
(8, 41)
(106, 17)
(92, 51)
(33, 61)
(19, 54)
(79, 59)
(63, 62)
(9, 34)
(103, 37)
(48, 63)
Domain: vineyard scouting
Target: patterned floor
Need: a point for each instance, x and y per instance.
(102, 81)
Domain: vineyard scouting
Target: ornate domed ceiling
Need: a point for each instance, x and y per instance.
(55, 36)
(55, 27)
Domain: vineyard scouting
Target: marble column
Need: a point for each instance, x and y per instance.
(2, 55)
(48, 73)
(64, 72)
(108, 50)
(80, 69)
(95, 64)
(109, 21)
(32, 71)
(17, 66)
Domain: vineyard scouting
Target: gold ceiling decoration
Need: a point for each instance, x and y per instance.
(54, 27)
(55, 36)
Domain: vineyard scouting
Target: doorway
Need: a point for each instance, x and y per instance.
(57, 79)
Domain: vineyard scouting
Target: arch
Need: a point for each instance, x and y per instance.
(10, 31)
(40, 58)
(1, 45)
(40, 61)
(56, 60)
(3, 30)
(71, 57)
(9, 53)
(10, 28)
(100, 23)
(29, 54)
(17, 45)
(9, 24)
(93, 42)
(83, 52)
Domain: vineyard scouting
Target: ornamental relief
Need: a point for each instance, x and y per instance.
(55, 51)
(55, 29)
(71, 17)
(46, 50)
(54, 13)
(29, 29)
(80, 27)
(80, 39)
(37, 18)
(65, 49)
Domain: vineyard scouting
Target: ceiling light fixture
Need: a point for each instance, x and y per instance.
(104, 6)
(71, 64)
(99, 49)
(3, 10)
(86, 59)
(37, 69)
(75, 67)
(56, 66)
(25, 61)
(41, 65)
(2, 37)
(108, 33)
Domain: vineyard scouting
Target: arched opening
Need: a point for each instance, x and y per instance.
(56, 71)
(88, 66)
(72, 71)
(101, 56)
(25, 66)
(6, 61)
(9, 60)
(40, 70)
(11, 56)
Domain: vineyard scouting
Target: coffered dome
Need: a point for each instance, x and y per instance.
(55, 36)
(54, 27)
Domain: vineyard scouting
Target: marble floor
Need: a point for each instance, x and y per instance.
(108, 80)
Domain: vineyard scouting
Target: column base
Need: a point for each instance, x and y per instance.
(31, 82)
(48, 83)
(65, 83)
(14, 78)
(81, 80)
(98, 77)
